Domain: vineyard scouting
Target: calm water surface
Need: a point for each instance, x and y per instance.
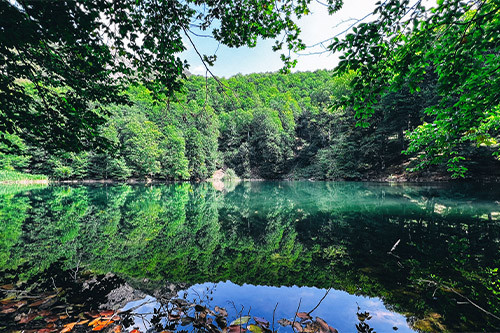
(358, 255)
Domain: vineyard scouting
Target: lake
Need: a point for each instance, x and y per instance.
(262, 256)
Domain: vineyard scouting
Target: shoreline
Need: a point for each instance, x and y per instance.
(388, 180)
(26, 181)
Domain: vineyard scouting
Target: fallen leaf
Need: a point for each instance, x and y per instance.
(298, 327)
(20, 304)
(68, 327)
(311, 327)
(8, 299)
(37, 303)
(324, 328)
(222, 311)
(240, 321)
(44, 313)
(105, 322)
(173, 317)
(254, 328)
(363, 316)
(303, 315)
(82, 322)
(261, 321)
(52, 319)
(62, 317)
(284, 322)
(106, 313)
(45, 330)
(236, 329)
(8, 310)
(135, 331)
(7, 286)
(98, 328)
(117, 329)
(94, 321)
(28, 318)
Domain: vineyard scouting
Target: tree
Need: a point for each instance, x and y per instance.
(59, 59)
(142, 147)
(458, 42)
(270, 145)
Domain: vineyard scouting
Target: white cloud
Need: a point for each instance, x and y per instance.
(197, 70)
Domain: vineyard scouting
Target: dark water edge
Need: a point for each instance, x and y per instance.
(406, 254)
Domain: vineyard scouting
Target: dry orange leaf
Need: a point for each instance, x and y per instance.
(63, 317)
(68, 327)
(82, 322)
(105, 322)
(117, 329)
(135, 331)
(93, 322)
(106, 313)
(98, 328)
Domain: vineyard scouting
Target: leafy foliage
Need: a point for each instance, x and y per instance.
(456, 43)
(63, 62)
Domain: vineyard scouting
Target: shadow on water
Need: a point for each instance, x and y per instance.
(419, 258)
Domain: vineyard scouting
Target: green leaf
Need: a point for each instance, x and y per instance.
(240, 321)
(255, 328)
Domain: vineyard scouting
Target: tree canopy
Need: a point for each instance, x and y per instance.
(430, 74)
(60, 57)
(456, 45)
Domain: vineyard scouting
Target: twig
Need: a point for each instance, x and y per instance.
(321, 300)
(274, 311)
(459, 294)
(395, 245)
(203, 61)
(295, 316)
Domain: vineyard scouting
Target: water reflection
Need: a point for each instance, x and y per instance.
(295, 234)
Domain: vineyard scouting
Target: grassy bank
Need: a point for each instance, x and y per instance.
(7, 176)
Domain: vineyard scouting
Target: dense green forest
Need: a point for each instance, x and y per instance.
(260, 125)
(83, 96)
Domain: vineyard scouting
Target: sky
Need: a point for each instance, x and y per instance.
(316, 27)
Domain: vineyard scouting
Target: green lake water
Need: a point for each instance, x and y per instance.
(413, 257)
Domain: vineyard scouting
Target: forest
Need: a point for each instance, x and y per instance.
(121, 135)
(270, 126)
(414, 96)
